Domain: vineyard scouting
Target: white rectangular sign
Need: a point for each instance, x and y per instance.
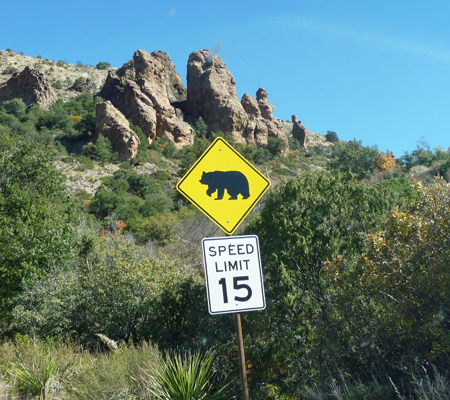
(234, 280)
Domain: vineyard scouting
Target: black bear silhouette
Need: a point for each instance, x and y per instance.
(234, 181)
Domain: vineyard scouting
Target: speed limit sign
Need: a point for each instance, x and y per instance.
(234, 280)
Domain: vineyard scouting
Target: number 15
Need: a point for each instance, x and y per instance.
(236, 286)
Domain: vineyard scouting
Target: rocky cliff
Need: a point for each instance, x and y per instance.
(148, 91)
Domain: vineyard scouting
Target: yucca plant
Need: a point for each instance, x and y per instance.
(184, 376)
(37, 368)
(34, 379)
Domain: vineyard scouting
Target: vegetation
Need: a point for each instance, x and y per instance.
(9, 70)
(102, 294)
(103, 65)
(309, 221)
(332, 136)
(37, 219)
(78, 83)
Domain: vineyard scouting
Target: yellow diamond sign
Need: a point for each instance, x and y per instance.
(223, 185)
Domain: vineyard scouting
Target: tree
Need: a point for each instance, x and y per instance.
(200, 128)
(395, 296)
(306, 222)
(37, 219)
(355, 158)
(331, 136)
(103, 149)
(15, 107)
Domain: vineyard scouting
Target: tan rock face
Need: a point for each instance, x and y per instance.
(250, 105)
(151, 90)
(176, 91)
(211, 94)
(299, 131)
(112, 124)
(30, 86)
(262, 124)
(265, 107)
(139, 108)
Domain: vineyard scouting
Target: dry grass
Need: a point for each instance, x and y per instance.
(34, 369)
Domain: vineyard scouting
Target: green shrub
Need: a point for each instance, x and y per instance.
(103, 65)
(158, 229)
(161, 175)
(275, 146)
(15, 107)
(293, 143)
(119, 292)
(85, 163)
(9, 70)
(306, 222)
(255, 154)
(169, 147)
(37, 219)
(332, 137)
(355, 158)
(57, 84)
(79, 82)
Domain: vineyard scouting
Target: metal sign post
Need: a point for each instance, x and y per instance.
(242, 365)
(226, 187)
(234, 283)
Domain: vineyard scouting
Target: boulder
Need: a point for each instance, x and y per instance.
(30, 86)
(211, 94)
(112, 124)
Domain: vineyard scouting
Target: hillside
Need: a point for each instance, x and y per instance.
(55, 71)
(101, 264)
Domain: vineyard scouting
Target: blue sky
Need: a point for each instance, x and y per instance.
(374, 70)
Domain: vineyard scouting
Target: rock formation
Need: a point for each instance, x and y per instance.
(211, 94)
(264, 105)
(146, 90)
(30, 86)
(261, 124)
(112, 124)
(299, 131)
